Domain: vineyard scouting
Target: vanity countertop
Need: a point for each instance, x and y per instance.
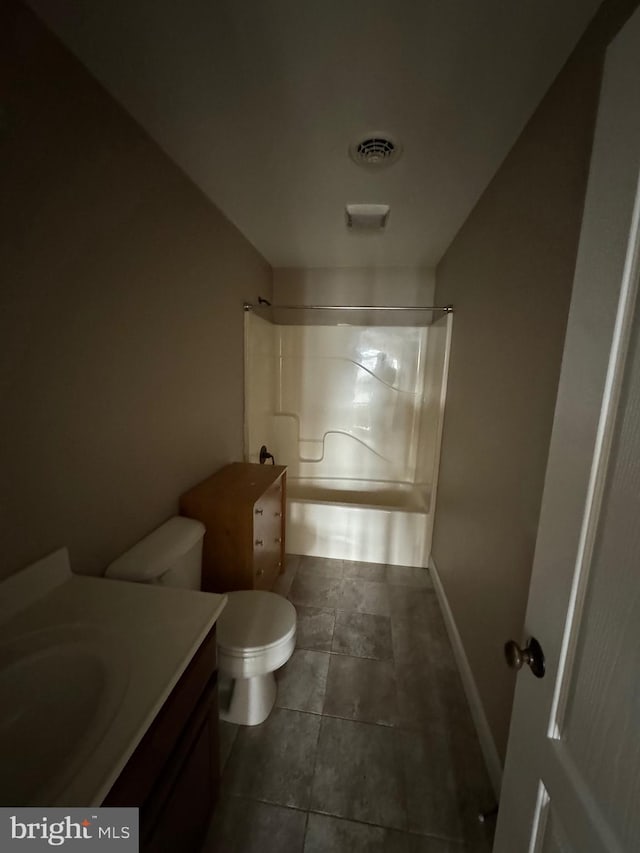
(146, 636)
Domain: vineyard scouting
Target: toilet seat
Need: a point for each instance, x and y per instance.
(255, 621)
(256, 634)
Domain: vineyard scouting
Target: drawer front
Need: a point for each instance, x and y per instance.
(266, 566)
(267, 537)
(268, 508)
(266, 553)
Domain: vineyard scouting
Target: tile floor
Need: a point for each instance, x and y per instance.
(370, 746)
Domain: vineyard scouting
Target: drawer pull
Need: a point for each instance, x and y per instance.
(259, 573)
(259, 511)
(278, 514)
(259, 542)
(278, 540)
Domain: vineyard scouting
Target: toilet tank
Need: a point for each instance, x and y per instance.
(170, 556)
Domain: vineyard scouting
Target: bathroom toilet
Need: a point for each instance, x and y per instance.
(256, 631)
(256, 635)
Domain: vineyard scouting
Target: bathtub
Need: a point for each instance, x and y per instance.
(369, 521)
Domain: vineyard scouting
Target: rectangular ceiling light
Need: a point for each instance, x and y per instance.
(366, 217)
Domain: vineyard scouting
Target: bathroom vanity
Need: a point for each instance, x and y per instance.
(108, 696)
(243, 507)
(173, 775)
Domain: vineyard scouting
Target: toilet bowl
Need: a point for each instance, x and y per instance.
(256, 634)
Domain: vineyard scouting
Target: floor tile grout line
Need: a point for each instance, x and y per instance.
(347, 719)
(313, 776)
(415, 729)
(343, 654)
(365, 823)
(306, 827)
(310, 573)
(359, 821)
(333, 630)
(338, 609)
(324, 698)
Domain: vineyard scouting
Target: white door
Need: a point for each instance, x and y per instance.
(572, 775)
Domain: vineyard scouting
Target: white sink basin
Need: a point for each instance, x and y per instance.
(60, 689)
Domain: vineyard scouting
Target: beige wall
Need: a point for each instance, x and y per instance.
(509, 274)
(260, 374)
(121, 315)
(353, 285)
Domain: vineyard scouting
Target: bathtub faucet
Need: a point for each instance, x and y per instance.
(264, 455)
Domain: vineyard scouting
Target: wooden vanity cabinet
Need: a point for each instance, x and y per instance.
(173, 776)
(243, 507)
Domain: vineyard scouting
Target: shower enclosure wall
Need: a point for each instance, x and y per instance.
(355, 412)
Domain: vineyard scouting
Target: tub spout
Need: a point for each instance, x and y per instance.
(264, 455)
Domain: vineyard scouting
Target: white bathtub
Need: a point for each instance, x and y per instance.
(375, 522)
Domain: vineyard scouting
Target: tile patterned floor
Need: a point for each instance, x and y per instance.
(370, 748)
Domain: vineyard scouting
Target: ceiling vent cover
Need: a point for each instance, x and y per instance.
(366, 217)
(375, 150)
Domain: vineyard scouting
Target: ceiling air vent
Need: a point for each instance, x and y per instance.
(375, 150)
(367, 217)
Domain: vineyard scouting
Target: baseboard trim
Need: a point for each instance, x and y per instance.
(487, 743)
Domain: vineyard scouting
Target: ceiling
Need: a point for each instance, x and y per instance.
(258, 101)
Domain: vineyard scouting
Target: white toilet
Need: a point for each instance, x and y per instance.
(256, 631)
(256, 635)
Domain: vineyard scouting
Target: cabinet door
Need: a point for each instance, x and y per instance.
(176, 815)
(267, 536)
(187, 811)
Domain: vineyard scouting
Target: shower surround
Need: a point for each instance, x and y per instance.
(355, 412)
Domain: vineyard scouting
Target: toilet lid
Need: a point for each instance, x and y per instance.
(254, 619)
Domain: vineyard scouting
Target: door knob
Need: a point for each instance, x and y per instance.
(532, 655)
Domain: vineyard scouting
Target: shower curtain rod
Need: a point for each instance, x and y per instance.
(446, 309)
